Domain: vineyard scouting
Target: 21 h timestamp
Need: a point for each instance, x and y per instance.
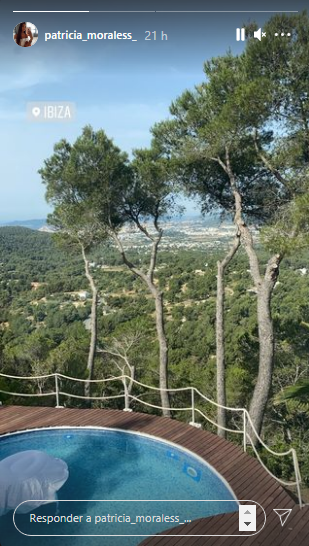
(154, 35)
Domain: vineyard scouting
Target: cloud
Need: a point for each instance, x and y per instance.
(27, 76)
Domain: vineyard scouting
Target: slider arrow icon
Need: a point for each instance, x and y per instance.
(283, 514)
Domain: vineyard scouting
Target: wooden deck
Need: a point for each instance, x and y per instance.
(244, 474)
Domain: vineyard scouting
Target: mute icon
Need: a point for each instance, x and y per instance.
(258, 34)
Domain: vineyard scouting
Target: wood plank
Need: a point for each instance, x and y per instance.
(245, 475)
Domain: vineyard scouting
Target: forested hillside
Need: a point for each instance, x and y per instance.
(46, 304)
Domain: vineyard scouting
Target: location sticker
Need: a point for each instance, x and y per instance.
(51, 111)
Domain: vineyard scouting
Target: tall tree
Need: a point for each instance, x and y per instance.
(207, 124)
(285, 67)
(145, 203)
(68, 174)
(217, 133)
(93, 184)
(77, 231)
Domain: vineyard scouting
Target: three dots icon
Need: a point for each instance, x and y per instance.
(282, 34)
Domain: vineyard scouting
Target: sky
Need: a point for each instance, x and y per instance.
(123, 87)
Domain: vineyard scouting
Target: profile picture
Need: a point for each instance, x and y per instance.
(25, 34)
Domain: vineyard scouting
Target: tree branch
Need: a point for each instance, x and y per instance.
(138, 272)
(155, 246)
(246, 236)
(266, 161)
(143, 229)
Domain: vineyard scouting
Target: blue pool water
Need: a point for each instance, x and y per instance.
(107, 464)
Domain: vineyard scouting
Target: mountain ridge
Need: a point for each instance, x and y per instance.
(40, 224)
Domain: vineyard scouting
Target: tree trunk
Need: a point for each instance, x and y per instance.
(264, 286)
(163, 370)
(93, 330)
(266, 347)
(220, 349)
(148, 279)
(221, 391)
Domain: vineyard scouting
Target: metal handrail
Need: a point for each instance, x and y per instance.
(127, 396)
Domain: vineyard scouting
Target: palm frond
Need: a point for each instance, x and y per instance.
(298, 393)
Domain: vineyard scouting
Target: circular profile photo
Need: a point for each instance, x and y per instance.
(25, 34)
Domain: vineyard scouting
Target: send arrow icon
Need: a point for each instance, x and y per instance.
(283, 514)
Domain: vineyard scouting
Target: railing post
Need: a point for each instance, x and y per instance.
(297, 477)
(192, 422)
(126, 395)
(245, 430)
(57, 391)
(192, 407)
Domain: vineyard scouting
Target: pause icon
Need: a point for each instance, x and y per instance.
(240, 34)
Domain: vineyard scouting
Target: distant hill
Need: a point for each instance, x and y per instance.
(31, 254)
(209, 220)
(31, 224)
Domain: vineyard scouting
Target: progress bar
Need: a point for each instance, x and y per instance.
(155, 11)
(56, 11)
(228, 11)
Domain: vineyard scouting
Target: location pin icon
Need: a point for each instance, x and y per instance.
(36, 111)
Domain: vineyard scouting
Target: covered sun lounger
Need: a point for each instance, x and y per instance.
(30, 475)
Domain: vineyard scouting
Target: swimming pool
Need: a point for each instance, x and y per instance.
(110, 464)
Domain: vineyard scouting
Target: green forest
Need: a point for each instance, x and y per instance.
(232, 321)
(43, 331)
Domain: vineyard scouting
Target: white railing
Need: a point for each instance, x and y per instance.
(127, 395)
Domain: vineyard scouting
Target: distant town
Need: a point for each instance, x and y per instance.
(184, 232)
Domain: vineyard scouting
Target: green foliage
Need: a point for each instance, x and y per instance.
(85, 181)
(298, 393)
